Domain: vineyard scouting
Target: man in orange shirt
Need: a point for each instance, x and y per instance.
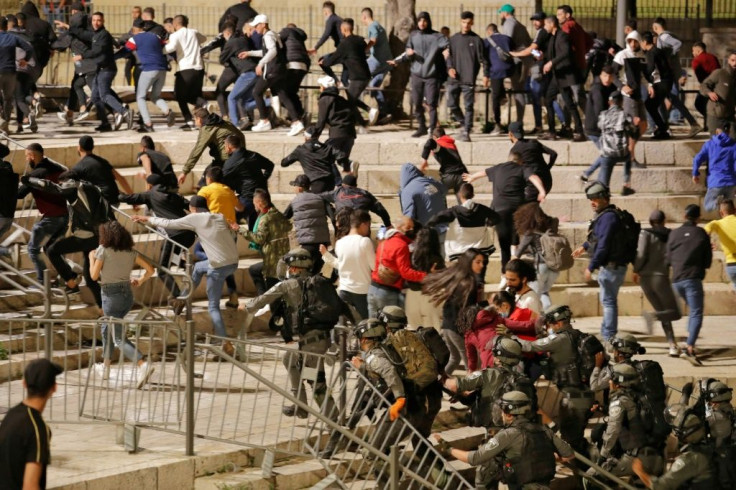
(220, 199)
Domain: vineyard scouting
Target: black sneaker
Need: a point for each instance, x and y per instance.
(421, 131)
(637, 164)
(583, 178)
(145, 129)
(119, 118)
(129, 116)
(104, 128)
(170, 118)
(627, 191)
(187, 126)
(291, 410)
(70, 291)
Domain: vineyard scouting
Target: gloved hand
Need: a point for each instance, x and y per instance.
(443, 447)
(396, 408)
(687, 388)
(502, 329)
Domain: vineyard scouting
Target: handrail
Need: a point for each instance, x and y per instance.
(45, 289)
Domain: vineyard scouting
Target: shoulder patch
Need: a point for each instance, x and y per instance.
(615, 409)
(544, 341)
(474, 375)
(552, 336)
(370, 358)
(492, 444)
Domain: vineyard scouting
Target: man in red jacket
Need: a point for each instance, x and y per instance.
(581, 42)
(704, 63)
(393, 267)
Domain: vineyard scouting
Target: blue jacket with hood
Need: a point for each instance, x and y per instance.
(421, 197)
(720, 155)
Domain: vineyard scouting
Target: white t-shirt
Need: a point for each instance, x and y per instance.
(531, 301)
(185, 42)
(356, 259)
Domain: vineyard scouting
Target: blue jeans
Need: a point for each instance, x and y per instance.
(607, 163)
(242, 89)
(691, 290)
(102, 95)
(200, 255)
(545, 280)
(215, 281)
(380, 297)
(610, 281)
(155, 81)
(710, 202)
(731, 271)
(117, 300)
(536, 91)
(376, 81)
(44, 231)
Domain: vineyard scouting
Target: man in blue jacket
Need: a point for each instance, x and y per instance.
(606, 254)
(8, 44)
(719, 154)
(421, 196)
(498, 69)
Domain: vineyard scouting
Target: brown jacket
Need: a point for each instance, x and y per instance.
(723, 82)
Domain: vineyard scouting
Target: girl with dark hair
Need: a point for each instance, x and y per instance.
(458, 287)
(530, 223)
(426, 257)
(112, 263)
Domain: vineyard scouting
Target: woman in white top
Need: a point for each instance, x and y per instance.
(112, 263)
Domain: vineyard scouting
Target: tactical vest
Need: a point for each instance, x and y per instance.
(709, 483)
(632, 434)
(536, 462)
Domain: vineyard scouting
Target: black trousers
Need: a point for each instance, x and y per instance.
(354, 90)
(344, 144)
(497, 93)
(661, 91)
(567, 98)
(324, 184)
(505, 232)
(290, 89)
(188, 90)
(425, 89)
(56, 251)
(261, 282)
(227, 78)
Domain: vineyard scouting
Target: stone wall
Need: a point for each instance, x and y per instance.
(719, 40)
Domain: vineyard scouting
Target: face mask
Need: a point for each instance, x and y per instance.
(503, 314)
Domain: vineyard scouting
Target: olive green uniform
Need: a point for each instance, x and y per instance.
(691, 470)
(487, 383)
(577, 398)
(508, 444)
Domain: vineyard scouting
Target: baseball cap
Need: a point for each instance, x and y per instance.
(350, 180)
(538, 16)
(692, 211)
(259, 19)
(41, 374)
(87, 143)
(301, 181)
(516, 128)
(508, 8)
(198, 202)
(615, 95)
(326, 81)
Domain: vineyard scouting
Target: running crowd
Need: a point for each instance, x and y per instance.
(428, 271)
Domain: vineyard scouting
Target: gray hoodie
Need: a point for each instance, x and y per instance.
(213, 232)
(427, 60)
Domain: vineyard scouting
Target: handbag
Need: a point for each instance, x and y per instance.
(386, 274)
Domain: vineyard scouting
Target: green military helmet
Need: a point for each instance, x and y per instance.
(556, 313)
(393, 317)
(515, 403)
(627, 344)
(717, 391)
(688, 427)
(597, 190)
(507, 351)
(299, 257)
(625, 375)
(370, 328)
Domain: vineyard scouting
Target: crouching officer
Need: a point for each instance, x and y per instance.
(625, 428)
(625, 346)
(312, 305)
(487, 386)
(561, 346)
(692, 469)
(522, 455)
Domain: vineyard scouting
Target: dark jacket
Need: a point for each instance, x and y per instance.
(497, 68)
(156, 28)
(294, 39)
(467, 56)
(469, 223)
(212, 136)
(164, 204)
(8, 44)
(723, 83)
(161, 165)
(41, 33)
(48, 204)
(316, 158)
(357, 198)
(98, 171)
(688, 252)
(101, 46)
(351, 53)
(242, 11)
(148, 49)
(658, 67)
(597, 103)
(336, 112)
(332, 30)
(310, 218)
(231, 49)
(651, 251)
(532, 154)
(8, 190)
(427, 60)
(245, 171)
(603, 234)
(563, 62)
(446, 154)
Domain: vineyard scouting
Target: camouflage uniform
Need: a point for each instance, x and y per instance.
(271, 238)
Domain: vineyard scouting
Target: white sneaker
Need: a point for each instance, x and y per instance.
(373, 116)
(145, 371)
(276, 106)
(263, 125)
(354, 166)
(105, 373)
(694, 130)
(296, 128)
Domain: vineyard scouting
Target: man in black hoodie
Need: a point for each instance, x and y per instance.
(317, 160)
(349, 195)
(41, 33)
(241, 11)
(445, 152)
(464, 63)
(245, 171)
(8, 44)
(336, 112)
(690, 254)
(297, 66)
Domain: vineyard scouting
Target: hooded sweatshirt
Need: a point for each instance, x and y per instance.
(41, 33)
(470, 224)
(212, 135)
(336, 112)
(633, 64)
(720, 155)
(446, 154)
(650, 252)
(421, 197)
(316, 159)
(427, 60)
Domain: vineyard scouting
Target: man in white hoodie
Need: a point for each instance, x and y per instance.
(630, 64)
(190, 74)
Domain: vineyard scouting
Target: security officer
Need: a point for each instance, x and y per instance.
(625, 346)
(692, 469)
(720, 420)
(429, 399)
(577, 399)
(625, 427)
(314, 336)
(489, 384)
(522, 454)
